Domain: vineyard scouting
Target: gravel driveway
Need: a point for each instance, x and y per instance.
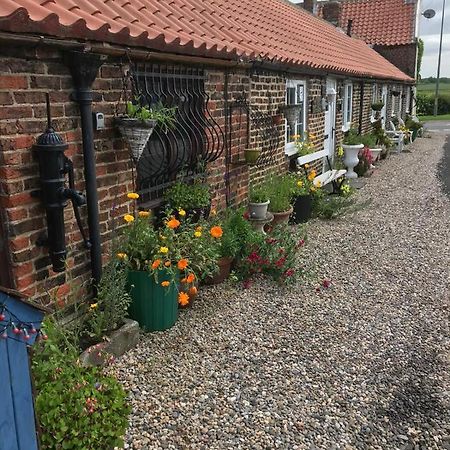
(363, 364)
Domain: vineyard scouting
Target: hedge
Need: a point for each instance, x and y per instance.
(425, 104)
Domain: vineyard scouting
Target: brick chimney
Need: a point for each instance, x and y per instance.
(331, 11)
(311, 6)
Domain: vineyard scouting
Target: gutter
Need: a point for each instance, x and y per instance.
(120, 51)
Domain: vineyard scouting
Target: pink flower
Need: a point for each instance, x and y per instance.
(326, 283)
(289, 272)
(280, 262)
(247, 283)
(253, 257)
(301, 243)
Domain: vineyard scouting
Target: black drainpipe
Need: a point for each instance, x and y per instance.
(84, 68)
(361, 105)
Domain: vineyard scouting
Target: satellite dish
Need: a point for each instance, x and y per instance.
(429, 13)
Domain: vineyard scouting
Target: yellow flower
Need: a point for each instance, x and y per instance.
(164, 250)
(306, 166)
(300, 183)
(183, 299)
(318, 184)
(213, 212)
(94, 305)
(296, 136)
(313, 189)
(128, 218)
(165, 283)
(312, 175)
(122, 255)
(181, 212)
(144, 214)
(340, 151)
(198, 234)
(312, 136)
(133, 196)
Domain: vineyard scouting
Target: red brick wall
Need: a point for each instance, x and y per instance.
(23, 84)
(402, 56)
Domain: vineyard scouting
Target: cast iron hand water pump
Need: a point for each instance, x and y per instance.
(53, 167)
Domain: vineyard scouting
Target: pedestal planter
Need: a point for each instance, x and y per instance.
(224, 264)
(302, 209)
(351, 158)
(281, 217)
(251, 155)
(155, 307)
(258, 210)
(375, 153)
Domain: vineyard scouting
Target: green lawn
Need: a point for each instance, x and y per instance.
(430, 88)
(428, 118)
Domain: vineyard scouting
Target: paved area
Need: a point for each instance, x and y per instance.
(364, 364)
(438, 126)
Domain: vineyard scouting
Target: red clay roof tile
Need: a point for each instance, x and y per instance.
(265, 29)
(380, 22)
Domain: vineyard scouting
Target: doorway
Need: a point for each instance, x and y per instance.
(330, 119)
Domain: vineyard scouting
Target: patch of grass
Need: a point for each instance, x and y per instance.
(430, 118)
(430, 88)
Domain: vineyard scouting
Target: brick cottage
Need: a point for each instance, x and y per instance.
(230, 67)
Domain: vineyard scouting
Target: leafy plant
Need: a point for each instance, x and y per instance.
(303, 144)
(369, 140)
(165, 117)
(280, 190)
(302, 183)
(274, 255)
(77, 407)
(258, 194)
(377, 106)
(109, 309)
(331, 206)
(352, 137)
(188, 196)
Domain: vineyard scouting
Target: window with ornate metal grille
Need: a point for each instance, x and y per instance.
(196, 140)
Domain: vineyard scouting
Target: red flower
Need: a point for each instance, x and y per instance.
(301, 243)
(246, 215)
(280, 262)
(247, 283)
(326, 283)
(253, 257)
(289, 273)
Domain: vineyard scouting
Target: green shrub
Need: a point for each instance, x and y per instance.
(425, 104)
(352, 137)
(258, 194)
(280, 189)
(188, 196)
(78, 407)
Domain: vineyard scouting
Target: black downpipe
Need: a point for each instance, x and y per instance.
(84, 68)
(361, 106)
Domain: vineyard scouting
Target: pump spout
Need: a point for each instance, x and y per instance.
(76, 197)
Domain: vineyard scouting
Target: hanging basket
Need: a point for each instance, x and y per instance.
(137, 133)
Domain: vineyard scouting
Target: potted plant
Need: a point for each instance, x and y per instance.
(139, 121)
(258, 202)
(302, 200)
(156, 263)
(280, 195)
(415, 126)
(251, 155)
(304, 145)
(365, 162)
(377, 106)
(193, 199)
(352, 145)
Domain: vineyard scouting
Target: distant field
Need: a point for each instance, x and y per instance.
(429, 88)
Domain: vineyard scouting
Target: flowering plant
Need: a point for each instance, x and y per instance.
(275, 256)
(365, 161)
(303, 183)
(179, 250)
(303, 143)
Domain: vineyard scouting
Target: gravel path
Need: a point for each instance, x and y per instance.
(363, 364)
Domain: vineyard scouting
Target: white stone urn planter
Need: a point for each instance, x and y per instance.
(351, 158)
(375, 153)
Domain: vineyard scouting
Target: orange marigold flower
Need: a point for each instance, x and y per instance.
(173, 223)
(144, 214)
(183, 280)
(128, 218)
(190, 278)
(182, 264)
(156, 264)
(133, 196)
(165, 283)
(216, 232)
(183, 299)
(167, 263)
(193, 291)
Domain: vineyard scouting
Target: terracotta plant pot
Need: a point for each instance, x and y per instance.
(224, 264)
(251, 155)
(281, 217)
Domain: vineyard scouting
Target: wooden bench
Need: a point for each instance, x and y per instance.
(330, 176)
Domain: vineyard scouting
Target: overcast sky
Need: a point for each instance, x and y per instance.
(429, 31)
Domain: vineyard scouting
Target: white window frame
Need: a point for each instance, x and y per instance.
(289, 147)
(347, 109)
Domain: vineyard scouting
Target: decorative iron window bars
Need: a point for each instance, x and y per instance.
(196, 140)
